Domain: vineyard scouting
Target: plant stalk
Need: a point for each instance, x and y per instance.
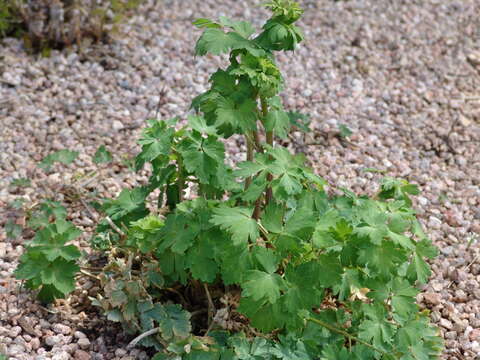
(140, 337)
(252, 142)
(258, 202)
(180, 178)
(250, 150)
(257, 210)
(257, 143)
(269, 139)
(211, 306)
(89, 274)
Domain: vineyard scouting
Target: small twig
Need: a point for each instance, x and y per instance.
(140, 337)
(89, 210)
(447, 137)
(92, 177)
(48, 310)
(89, 274)
(209, 297)
(263, 230)
(115, 227)
(210, 327)
(124, 227)
(161, 101)
(466, 267)
(197, 312)
(91, 268)
(401, 129)
(314, 144)
(472, 262)
(293, 140)
(107, 218)
(211, 307)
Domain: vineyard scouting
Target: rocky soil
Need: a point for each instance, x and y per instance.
(404, 76)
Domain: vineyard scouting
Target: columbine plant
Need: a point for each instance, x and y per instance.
(260, 263)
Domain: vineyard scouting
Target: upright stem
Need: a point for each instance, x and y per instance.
(257, 210)
(211, 306)
(269, 138)
(180, 179)
(254, 143)
(251, 143)
(250, 149)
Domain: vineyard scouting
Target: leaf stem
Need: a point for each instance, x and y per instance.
(256, 141)
(180, 178)
(263, 230)
(258, 202)
(250, 150)
(211, 307)
(257, 210)
(350, 337)
(107, 218)
(269, 139)
(140, 337)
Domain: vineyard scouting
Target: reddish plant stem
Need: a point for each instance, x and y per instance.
(257, 210)
(250, 150)
(258, 144)
(269, 138)
(258, 202)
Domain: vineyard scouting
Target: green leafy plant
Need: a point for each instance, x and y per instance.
(49, 264)
(46, 25)
(345, 132)
(12, 229)
(17, 204)
(256, 261)
(63, 156)
(7, 17)
(20, 182)
(102, 155)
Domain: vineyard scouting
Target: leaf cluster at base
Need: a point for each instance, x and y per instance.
(346, 261)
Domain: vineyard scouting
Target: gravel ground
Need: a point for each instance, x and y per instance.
(403, 75)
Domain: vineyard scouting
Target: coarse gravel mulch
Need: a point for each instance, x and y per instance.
(404, 76)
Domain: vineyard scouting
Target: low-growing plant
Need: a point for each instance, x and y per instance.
(8, 18)
(253, 260)
(49, 264)
(46, 24)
